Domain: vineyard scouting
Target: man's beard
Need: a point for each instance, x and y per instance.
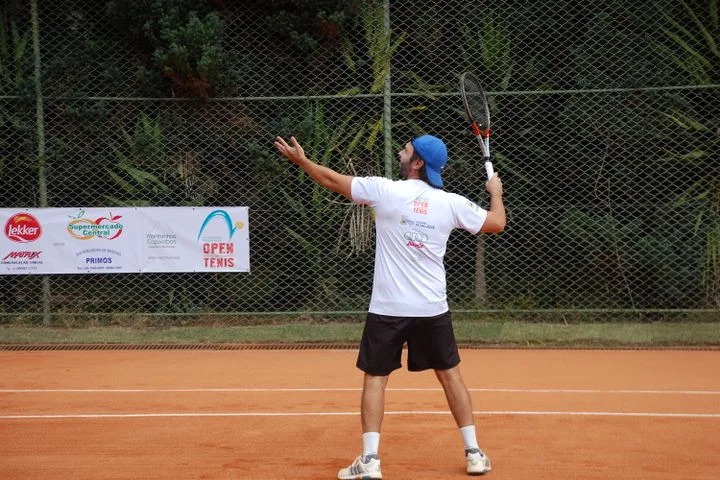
(404, 171)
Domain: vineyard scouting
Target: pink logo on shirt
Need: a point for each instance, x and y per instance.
(420, 205)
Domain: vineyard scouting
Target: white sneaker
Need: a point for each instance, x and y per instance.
(362, 471)
(477, 463)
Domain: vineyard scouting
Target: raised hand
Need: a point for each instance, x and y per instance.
(494, 185)
(293, 151)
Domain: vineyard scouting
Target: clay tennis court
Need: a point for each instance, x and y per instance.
(280, 414)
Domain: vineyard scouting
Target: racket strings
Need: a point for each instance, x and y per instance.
(476, 104)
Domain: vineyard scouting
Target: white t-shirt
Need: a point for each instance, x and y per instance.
(413, 222)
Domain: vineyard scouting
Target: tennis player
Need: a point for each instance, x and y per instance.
(413, 220)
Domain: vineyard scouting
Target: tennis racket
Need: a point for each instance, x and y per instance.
(478, 113)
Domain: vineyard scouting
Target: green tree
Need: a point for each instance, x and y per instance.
(184, 41)
(695, 49)
(17, 136)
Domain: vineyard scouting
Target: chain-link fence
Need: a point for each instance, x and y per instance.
(606, 125)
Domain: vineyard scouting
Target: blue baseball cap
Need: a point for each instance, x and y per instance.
(434, 152)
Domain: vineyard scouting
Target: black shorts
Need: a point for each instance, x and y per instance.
(431, 343)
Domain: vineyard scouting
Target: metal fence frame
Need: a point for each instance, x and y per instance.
(391, 102)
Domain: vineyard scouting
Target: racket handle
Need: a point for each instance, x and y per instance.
(489, 168)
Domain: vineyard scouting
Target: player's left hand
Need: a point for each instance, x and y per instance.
(293, 151)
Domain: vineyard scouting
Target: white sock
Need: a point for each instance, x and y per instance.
(469, 437)
(371, 443)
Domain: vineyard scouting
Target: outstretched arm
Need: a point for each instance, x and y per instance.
(325, 176)
(495, 221)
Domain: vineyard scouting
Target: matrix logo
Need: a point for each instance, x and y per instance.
(107, 228)
(23, 228)
(22, 256)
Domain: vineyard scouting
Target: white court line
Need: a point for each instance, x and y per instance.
(286, 390)
(329, 414)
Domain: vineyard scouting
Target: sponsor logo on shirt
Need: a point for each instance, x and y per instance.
(421, 205)
(415, 239)
(474, 206)
(414, 236)
(405, 220)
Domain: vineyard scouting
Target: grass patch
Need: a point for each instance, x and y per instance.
(613, 334)
(475, 332)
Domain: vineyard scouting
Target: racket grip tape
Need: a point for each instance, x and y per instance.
(489, 169)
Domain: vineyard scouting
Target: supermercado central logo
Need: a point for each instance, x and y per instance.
(23, 228)
(81, 227)
(215, 237)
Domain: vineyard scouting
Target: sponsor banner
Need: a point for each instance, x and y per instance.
(67, 240)
(102, 240)
(200, 239)
(123, 240)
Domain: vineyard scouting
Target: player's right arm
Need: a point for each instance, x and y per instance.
(327, 177)
(495, 221)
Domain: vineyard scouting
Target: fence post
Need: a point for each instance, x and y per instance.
(387, 130)
(42, 180)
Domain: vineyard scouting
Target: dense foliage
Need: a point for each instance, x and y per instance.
(176, 102)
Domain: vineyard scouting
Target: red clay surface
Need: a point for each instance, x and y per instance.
(258, 414)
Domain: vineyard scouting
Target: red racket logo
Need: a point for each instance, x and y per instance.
(23, 228)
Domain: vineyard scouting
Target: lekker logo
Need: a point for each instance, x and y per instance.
(23, 228)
